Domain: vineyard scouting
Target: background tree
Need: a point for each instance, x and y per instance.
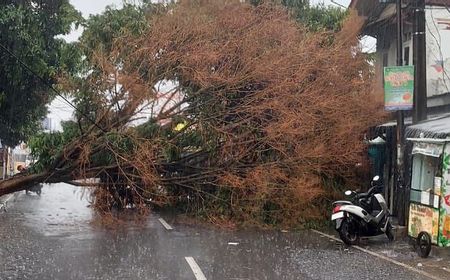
(315, 17)
(30, 30)
(99, 35)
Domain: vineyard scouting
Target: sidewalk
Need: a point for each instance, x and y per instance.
(403, 250)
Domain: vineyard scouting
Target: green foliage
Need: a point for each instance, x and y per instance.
(100, 33)
(180, 142)
(150, 129)
(101, 30)
(314, 17)
(446, 162)
(98, 37)
(321, 17)
(119, 143)
(29, 29)
(442, 240)
(45, 147)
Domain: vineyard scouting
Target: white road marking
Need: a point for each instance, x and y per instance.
(165, 224)
(10, 196)
(382, 257)
(4, 204)
(195, 268)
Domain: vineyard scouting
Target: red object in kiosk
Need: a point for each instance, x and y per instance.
(447, 200)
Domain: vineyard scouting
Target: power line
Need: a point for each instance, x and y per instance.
(445, 5)
(50, 86)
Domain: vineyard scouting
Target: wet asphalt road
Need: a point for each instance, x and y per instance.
(52, 237)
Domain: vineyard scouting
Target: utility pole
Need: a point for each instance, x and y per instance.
(419, 61)
(4, 159)
(400, 125)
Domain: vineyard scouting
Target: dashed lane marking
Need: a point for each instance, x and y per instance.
(195, 268)
(9, 198)
(382, 257)
(165, 224)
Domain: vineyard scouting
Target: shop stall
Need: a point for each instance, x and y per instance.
(429, 201)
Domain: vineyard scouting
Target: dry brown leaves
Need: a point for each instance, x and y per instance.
(278, 109)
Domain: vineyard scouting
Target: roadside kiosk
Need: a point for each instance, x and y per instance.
(429, 207)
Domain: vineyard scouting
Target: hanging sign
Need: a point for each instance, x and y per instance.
(398, 88)
(428, 149)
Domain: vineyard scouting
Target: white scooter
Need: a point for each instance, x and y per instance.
(366, 215)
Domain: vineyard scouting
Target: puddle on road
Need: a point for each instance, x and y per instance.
(63, 210)
(67, 239)
(60, 209)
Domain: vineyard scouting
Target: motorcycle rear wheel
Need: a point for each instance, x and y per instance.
(348, 232)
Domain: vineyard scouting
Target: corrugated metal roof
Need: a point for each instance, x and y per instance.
(433, 128)
(354, 3)
(376, 13)
(438, 2)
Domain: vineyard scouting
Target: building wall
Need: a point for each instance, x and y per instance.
(438, 50)
(388, 56)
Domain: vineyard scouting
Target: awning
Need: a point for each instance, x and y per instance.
(438, 127)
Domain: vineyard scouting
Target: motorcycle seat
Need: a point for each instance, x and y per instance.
(375, 213)
(341, 202)
(373, 190)
(362, 195)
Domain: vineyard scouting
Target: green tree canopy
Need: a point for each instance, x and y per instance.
(100, 33)
(97, 41)
(314, 17)
(30, 30)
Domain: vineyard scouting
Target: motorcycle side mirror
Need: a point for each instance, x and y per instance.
(375, 181)
(348, 193)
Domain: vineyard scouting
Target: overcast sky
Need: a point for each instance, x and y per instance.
(342, 2)
(88, 7)
(91, 7)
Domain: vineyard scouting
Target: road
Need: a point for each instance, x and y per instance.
(53, 237)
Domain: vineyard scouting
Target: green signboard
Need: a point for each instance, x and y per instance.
(398, 88)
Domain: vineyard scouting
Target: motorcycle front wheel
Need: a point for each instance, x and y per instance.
(349, 232)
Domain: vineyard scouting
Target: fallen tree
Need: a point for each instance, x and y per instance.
(261, 119)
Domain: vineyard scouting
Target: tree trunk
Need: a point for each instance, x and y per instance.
(20, 182)
(23, 181)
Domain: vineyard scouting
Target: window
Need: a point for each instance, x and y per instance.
(20, 157)
(425, 168)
